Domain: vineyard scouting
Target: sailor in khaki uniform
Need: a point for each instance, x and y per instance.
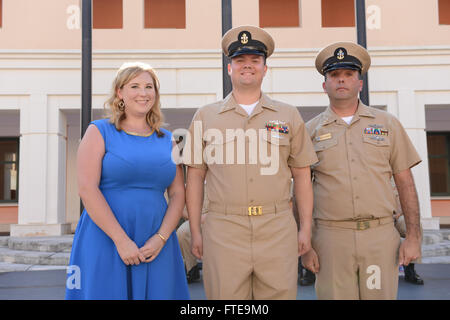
(248, 147)
(356, 248)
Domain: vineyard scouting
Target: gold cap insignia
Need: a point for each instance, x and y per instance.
(244, 38)
(340, 54)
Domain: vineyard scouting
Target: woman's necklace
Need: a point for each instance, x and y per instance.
(139, 134)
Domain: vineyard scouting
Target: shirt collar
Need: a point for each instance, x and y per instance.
(264, 102)
(330, 116)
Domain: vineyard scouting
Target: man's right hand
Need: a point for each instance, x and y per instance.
(197, 245)
(310, 261)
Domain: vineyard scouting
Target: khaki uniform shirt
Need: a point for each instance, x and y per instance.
(356, 162)
(242, 169)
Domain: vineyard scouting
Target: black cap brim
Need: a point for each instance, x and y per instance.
(247, 51)
(342, 66)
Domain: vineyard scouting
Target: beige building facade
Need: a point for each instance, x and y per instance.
(40, 87)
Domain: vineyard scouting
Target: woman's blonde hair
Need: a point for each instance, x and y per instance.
(125, 74)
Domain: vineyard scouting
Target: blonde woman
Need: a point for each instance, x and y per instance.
(125, 246)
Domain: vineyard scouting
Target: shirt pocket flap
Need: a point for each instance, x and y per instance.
(380, 141)
(325, 144)
(282, 141)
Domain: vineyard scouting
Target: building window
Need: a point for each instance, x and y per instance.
(279, 13)
(107, 14)
(338, 13)
(439, 162)
(9, 177)
(165, 14)
(444, 11)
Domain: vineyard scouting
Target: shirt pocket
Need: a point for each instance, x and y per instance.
(327, 153)
(272, 146)
(376, 151)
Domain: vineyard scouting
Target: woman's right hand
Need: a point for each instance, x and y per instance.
(129, 252)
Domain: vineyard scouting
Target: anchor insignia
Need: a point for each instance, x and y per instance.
(244, 38)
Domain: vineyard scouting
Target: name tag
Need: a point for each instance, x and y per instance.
(325, 136)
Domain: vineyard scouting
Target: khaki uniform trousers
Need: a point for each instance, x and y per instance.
(356, 264)
(184, 239)
(250, 257)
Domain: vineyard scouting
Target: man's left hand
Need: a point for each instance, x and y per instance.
(409, 251)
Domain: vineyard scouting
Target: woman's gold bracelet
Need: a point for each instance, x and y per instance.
(162, 238)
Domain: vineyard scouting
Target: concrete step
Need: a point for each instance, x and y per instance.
(4, 241)
(436, 260)
(42, 244)
(11, 267)
(436, 250)
(34, 257)
(446, 234)
(432, 237)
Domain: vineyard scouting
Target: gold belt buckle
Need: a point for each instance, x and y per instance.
(362, 225)
(255, 211)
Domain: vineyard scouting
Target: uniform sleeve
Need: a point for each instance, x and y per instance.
(403, 153)
(193, 148)
(302, 150)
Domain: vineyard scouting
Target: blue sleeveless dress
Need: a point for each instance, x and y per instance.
(135, 174)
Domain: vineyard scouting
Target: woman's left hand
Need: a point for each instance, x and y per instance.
(152, 247)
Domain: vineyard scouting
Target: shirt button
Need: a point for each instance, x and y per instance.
(251, 179)
(357, 197)
(251, 201)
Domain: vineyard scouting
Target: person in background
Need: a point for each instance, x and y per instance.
(191, 263)
(305, 276)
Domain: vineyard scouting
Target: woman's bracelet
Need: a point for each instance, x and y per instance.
(162, 238)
